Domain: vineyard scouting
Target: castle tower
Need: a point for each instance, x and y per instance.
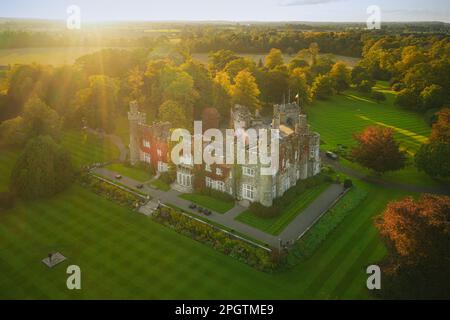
(135, 118)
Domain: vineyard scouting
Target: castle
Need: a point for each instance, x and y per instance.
(299, 156)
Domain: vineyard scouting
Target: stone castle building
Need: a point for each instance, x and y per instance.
(299, 156)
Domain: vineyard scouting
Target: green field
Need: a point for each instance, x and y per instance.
(277, 224)
(338, 118)
(49, 56)
(135, 173)
(208, 202)
(87, 148)
(123, 254)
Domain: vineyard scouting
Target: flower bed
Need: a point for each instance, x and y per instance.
(253, 255)
(111, 192)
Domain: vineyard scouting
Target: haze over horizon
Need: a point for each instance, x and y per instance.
(231, 10)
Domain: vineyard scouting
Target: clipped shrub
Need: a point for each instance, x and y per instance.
(348, 183)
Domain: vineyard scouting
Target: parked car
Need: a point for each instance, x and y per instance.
(207, 212)
(192, 206)
(139, 186)
(200, 209)
(331, 155)
(118, 176)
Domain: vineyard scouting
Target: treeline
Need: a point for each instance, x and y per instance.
(262, 39)
(31, 39)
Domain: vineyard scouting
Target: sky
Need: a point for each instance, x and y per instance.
(230, 10)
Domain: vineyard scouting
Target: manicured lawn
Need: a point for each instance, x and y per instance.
(123, 255)
(338, 118)
(208, 202)
(87, 148)
(276, 224)
(160, 185)
(135, 173)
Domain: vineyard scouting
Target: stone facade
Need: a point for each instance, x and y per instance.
(299, 156)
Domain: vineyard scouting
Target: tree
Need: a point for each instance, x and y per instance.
(433, 157)
(98, 104)
(12, 132)
(340, 75)
(238, 65)
(297, 62)
(314, 51)
(221, 93)
(245, 91)
(365, 86)
(172, 111)
(203, 83)
(42, 170)
(274, 59)
(377, 150)
(273, 84)
(322, 87)
(359, 74)
(407, 98)
(432, 97)
(378, 96)
(40, 119)
(210, 118)
(219, 59)
(299, 86)
(417, 237)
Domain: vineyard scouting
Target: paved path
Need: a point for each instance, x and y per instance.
(296, 228)
(380, 182)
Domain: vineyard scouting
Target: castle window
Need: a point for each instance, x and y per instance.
(207, 167)
(218, 171)
(159, 152)
(208, 182)
(248, 192)
(146, 144)
(162, 166)
(296, 155)
(147, 157)
(248, 171)
(220, 186)
(274, 191)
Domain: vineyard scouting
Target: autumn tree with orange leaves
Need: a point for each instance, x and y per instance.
(377, 149)
(417, 237)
